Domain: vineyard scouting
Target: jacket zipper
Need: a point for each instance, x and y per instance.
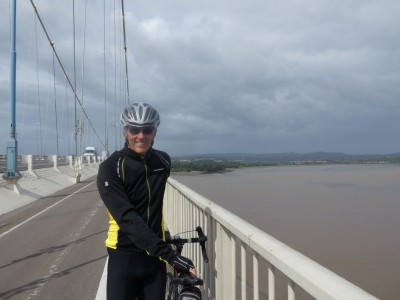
(149, 190)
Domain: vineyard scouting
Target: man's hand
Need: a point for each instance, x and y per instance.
(181, 263)
(193, 272)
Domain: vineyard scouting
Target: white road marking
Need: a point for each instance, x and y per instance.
(102, 290)
(39, 213)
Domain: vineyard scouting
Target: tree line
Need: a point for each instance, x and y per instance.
(219, 166)
(212, 166)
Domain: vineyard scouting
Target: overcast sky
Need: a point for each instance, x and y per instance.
(252, 76)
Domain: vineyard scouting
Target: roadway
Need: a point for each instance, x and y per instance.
(53, 248)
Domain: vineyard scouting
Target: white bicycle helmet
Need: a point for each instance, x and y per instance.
(140, 114)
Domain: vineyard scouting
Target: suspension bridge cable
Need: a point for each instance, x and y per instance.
(39, 124)
(83, 71)
(55, 103)
(63, 69)
(68, 120)
(125, 50)
(29, 79)
(115, 79)
(105, 78)
(75, 111)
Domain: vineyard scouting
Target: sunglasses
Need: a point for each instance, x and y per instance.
(144, 130)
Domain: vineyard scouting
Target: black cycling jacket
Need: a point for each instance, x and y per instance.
(132, 190)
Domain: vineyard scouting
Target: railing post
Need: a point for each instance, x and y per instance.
(55, 162)
(29, 161)
(224, 263)
(291, 289)
(256, 291)
(271, 282)
(243, 270)
(233, 264)
(78, 168)
(210, 250)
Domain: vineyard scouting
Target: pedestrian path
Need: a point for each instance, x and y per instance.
(38, 184)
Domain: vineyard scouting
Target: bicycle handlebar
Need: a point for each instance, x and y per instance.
(201, 239)
(202, 243)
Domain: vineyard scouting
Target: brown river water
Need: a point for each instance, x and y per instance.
(345, 217)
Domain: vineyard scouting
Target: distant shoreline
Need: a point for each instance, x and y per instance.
(203, 172)
(228, 170)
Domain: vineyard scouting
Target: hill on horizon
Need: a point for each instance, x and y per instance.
(291, 156)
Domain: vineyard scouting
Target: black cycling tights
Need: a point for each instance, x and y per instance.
(135, 276)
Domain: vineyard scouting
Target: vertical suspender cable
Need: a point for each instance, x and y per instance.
(121, 84)
(105, 80)
(83, 76)
(68, 120)
(125, 50)
(55, 103)
(38, 94)
(75, 112)
(115, 81)
(64, 71)
(77, 164)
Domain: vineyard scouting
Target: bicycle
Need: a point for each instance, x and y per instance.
(184, 286)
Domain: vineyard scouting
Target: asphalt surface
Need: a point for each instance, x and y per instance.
(53, 248)
(52, 233)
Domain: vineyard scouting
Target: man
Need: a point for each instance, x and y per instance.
(131, 183)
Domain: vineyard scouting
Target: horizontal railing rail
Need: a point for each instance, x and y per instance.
(233, 242)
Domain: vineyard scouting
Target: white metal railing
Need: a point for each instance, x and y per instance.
(233, 243)
(31, 163)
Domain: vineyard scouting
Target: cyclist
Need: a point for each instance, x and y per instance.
(131, 183)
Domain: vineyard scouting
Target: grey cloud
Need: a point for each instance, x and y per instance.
(230, 76)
